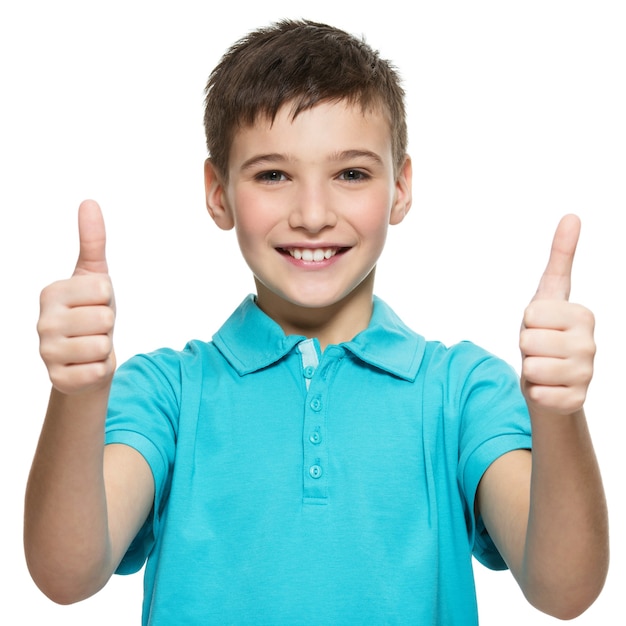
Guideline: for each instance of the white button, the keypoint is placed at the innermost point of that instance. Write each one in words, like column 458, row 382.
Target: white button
column 315, row 438
column 315, row 471
column 316, row 404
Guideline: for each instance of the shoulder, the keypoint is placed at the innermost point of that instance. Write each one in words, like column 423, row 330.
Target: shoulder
column 165, row 367
column 166, row 359
column 462, row 360
column 389, row 342
column 464, row 355
column 468, row 369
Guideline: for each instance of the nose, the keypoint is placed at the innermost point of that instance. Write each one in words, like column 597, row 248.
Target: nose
column 313, row 210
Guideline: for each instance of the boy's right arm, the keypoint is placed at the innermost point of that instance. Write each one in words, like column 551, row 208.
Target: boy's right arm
column 84, row 501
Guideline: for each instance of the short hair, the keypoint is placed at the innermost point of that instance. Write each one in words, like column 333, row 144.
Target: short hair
column 303, row 63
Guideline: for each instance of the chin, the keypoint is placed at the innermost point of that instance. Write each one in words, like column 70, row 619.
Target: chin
column 321, row 301
column 309, row 297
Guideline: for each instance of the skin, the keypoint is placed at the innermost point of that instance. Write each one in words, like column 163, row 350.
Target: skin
column 292, row 187
column 551, row 523
column 84, row 501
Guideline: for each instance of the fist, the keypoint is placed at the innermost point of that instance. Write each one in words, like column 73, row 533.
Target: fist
column 78, row 315
column 556, row 339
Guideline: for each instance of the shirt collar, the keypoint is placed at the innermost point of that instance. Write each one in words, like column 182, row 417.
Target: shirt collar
column 250, row 341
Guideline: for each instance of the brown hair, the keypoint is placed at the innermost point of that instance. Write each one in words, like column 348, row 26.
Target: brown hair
column 304, row 63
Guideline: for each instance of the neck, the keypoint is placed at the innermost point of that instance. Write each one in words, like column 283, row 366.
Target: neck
column 332, row 324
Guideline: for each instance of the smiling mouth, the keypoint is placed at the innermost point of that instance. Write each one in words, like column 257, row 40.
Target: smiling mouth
column 312, row 254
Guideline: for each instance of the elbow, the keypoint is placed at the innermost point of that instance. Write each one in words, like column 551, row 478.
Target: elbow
column 60, row 590
column 565, row 590
column 63, row 592
column 566, row 611
column 59, row 595
column 569, row 604
column 62, row 586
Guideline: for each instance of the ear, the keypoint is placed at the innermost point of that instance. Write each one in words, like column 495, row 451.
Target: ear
column 403, row 195
column 216, row 203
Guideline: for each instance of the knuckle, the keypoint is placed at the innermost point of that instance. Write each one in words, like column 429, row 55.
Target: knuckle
column 102, row 347
column 95, row 373
column 58, row 377
column 534, row 393
column 107, row 318
column 53, row 295
column 49, row 331
column 88, row 375
column 45, row 352
column 44, row 326
column 79, row 378
column 586, row 353
column 586, row 317
column 525, row 341
column 49, row 352
column 590, row 347
column 530, row 369
column 585, row 374
column 529, row 314
column 48, row 294
column 104, row 287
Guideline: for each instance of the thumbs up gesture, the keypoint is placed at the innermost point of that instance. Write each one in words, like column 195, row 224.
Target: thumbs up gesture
column 556, row 339
column 78, row 314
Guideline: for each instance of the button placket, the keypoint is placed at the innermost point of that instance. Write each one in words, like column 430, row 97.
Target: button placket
column 317, row 375
column 314, row 447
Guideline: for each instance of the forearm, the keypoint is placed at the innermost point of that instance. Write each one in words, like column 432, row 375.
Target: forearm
column 65, row 529
column 566, row 549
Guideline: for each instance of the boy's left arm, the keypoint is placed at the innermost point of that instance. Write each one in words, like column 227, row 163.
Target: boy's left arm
column 546, row 510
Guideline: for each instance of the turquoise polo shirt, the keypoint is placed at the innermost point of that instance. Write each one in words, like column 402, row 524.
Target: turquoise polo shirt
column 300, row 487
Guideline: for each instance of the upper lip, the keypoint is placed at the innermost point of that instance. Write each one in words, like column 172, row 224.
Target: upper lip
column 312, row 246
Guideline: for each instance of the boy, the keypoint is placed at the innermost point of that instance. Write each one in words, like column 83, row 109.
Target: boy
column 317, row 461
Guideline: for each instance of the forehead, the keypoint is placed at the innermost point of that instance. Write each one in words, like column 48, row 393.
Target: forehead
column 326, row 128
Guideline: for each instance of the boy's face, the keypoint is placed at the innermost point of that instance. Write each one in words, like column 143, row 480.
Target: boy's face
column 311, row 199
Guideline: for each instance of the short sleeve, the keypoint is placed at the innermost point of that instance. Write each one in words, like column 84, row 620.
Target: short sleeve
column 494, row 421
column 143, row 412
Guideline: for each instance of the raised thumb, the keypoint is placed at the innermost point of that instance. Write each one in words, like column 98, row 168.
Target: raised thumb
column 556, row 281
column 92, row 236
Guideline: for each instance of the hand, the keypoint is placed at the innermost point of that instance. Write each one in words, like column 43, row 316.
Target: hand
column 556, row 340
column 77, row 315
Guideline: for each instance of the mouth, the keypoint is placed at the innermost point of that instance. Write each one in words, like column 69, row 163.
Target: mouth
column 314, row 255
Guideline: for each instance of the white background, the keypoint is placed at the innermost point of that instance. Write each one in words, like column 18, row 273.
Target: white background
column 516, row 116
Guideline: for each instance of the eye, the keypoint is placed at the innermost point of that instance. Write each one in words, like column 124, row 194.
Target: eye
column 353, row 175
column 271, row 176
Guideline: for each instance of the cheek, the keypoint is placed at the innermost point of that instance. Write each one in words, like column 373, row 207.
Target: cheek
column 373, row 220
column 255, row 219
column 248, row 215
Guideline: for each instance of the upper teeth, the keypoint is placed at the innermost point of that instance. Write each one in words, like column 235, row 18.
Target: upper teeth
column 308, row 254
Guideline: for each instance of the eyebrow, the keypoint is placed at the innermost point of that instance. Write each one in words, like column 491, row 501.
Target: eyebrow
column 347, row 155
column 273, row 157
column 344, row 155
